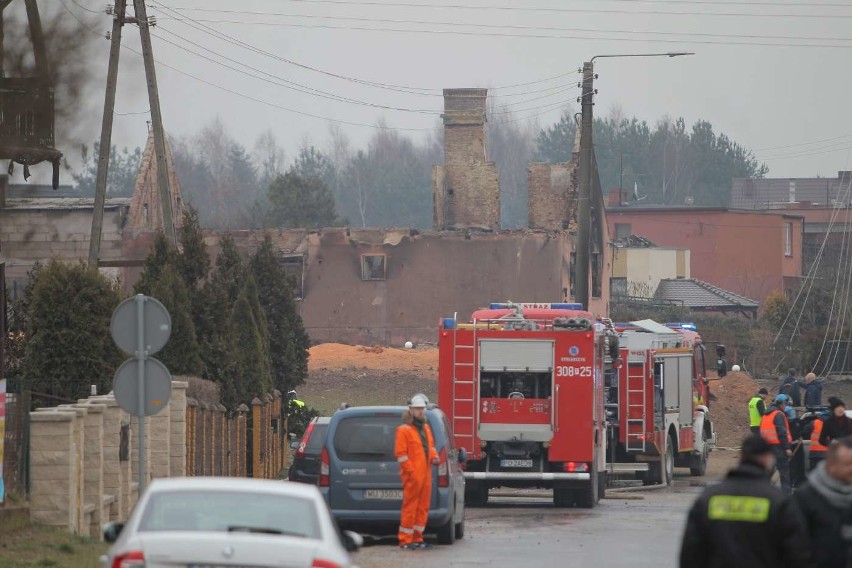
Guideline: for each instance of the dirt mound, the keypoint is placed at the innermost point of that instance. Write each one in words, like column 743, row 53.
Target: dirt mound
column 330, row 356
column 730, row 409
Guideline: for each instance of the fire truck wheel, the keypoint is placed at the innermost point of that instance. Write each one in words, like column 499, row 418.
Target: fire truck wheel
column 476, row 494
column 698, row 462
column 563, row 497
column 460, row 530
column 602, row 485
column 447, row 532
column 671, row 450
column 588, row 496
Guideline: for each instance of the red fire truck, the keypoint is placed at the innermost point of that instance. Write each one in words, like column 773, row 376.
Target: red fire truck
column 657, row 400
column 523, row 385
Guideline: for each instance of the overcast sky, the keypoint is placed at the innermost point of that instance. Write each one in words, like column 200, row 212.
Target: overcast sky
column 788, row 102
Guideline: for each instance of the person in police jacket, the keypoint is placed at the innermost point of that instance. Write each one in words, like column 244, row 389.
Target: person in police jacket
column 745, row 522
column 826, row 503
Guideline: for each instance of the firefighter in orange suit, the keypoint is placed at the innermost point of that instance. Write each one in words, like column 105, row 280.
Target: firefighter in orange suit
column 415, row 452
column 816, row 450
column 775, row 429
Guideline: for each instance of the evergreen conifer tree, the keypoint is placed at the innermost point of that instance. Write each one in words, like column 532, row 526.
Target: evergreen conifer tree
column 69, row 346
column 288, row 341
column 250, row 376
column 161, row 281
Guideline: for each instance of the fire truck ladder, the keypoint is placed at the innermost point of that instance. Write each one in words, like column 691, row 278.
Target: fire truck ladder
column 468, row 379
column 634, row 438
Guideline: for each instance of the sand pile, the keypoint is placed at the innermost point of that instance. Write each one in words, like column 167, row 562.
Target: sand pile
column 421, row 362
column 730, row 409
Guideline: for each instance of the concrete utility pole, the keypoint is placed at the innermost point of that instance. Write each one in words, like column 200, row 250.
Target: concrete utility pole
column 157, row 123
column 584, row 209
column 584, row 195
column 106, row 133
column 141, row 19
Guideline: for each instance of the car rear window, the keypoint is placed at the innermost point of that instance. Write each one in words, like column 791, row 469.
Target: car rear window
column 366, row 438
column 317, row 438
column 200, row 510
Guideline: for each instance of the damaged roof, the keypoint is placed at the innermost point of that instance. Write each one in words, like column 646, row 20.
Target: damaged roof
column 699, row 295
column 63, row 203
column 633, row 241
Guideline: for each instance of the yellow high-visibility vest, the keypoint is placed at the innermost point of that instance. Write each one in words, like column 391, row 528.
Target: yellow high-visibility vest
column 754, row 414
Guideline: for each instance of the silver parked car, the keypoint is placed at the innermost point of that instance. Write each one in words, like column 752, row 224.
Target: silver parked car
column 221, row 522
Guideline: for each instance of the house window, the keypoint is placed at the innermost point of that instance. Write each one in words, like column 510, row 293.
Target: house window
column 572, row 274
column 597, row 273
column 623, row 230
column 373, row 267
column 294, row 269
column 788, row 239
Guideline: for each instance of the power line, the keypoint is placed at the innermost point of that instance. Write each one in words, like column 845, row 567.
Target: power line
column 494, row 26
column 277, row 80
column 535, row 36
column 388, row 86
column 845, row 136
column 362, row 3
column 275, row 105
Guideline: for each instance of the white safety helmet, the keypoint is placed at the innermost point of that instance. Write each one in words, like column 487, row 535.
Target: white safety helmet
column 735, row 368
column 419, row 400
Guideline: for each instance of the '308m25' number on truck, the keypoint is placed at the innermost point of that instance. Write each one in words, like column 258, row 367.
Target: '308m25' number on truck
column 568, row 371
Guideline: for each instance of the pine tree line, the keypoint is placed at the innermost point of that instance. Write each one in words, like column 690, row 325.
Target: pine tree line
column 235, row 323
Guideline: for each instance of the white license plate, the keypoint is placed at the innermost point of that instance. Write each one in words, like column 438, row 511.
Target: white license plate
column 516, row 463
column 383, row 494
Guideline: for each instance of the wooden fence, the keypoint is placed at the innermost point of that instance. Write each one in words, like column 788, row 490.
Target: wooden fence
column 250, row 442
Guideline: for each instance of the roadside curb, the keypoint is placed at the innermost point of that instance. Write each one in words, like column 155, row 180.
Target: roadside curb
column 640, row 488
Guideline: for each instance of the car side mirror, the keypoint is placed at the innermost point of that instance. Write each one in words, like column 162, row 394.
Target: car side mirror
column 111, row 531
column 352, row 541
column 462, row 455
column 295, row 444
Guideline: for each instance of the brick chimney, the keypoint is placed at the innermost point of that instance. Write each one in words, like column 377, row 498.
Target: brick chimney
column 466, row 190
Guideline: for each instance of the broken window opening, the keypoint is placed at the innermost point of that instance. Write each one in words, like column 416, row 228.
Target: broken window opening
column 373, row 267
column 294, row 269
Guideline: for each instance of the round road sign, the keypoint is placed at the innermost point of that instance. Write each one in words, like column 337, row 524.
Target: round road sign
column 158, row 386
column 157, row 325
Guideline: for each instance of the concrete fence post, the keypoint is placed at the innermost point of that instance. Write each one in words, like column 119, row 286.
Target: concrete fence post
column 178, row 430
column 53, row 469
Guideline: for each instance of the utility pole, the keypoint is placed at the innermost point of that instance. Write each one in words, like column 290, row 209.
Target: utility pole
column 163, row 189
column 157, row 122
column 584, row 210
column 106, row 133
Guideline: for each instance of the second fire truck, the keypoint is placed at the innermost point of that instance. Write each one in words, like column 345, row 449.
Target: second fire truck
column 536, row 392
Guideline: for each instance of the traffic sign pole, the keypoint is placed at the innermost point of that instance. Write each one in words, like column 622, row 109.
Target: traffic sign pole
column 141, row 354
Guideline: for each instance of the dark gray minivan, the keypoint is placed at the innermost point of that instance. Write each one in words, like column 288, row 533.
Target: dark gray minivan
column 359, row 474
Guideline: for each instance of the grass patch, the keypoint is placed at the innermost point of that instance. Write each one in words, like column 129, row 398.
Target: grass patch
column 27, row 545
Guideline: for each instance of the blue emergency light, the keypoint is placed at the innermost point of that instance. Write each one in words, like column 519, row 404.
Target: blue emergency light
column 682, row 325
column 449, row 323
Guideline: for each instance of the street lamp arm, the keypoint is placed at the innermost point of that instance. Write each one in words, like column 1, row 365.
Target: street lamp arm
column 667, row 54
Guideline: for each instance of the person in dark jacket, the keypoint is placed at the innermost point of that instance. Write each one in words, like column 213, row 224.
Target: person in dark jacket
column 838, row 424
column 813, row 390
column 745, row 522
column 790, row 386
column 775, row 430
column 826, row 504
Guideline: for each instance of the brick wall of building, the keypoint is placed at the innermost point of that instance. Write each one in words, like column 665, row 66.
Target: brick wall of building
column 551, row 195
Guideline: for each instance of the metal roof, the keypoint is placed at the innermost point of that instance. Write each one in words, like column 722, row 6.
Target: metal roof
column 653, row 327
column 63, row 203
column 699, row 295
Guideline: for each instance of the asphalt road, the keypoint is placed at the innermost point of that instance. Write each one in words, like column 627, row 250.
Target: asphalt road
column 639, row 530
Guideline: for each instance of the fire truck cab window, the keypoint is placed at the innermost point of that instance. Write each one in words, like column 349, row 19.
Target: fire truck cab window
column 514, row 385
